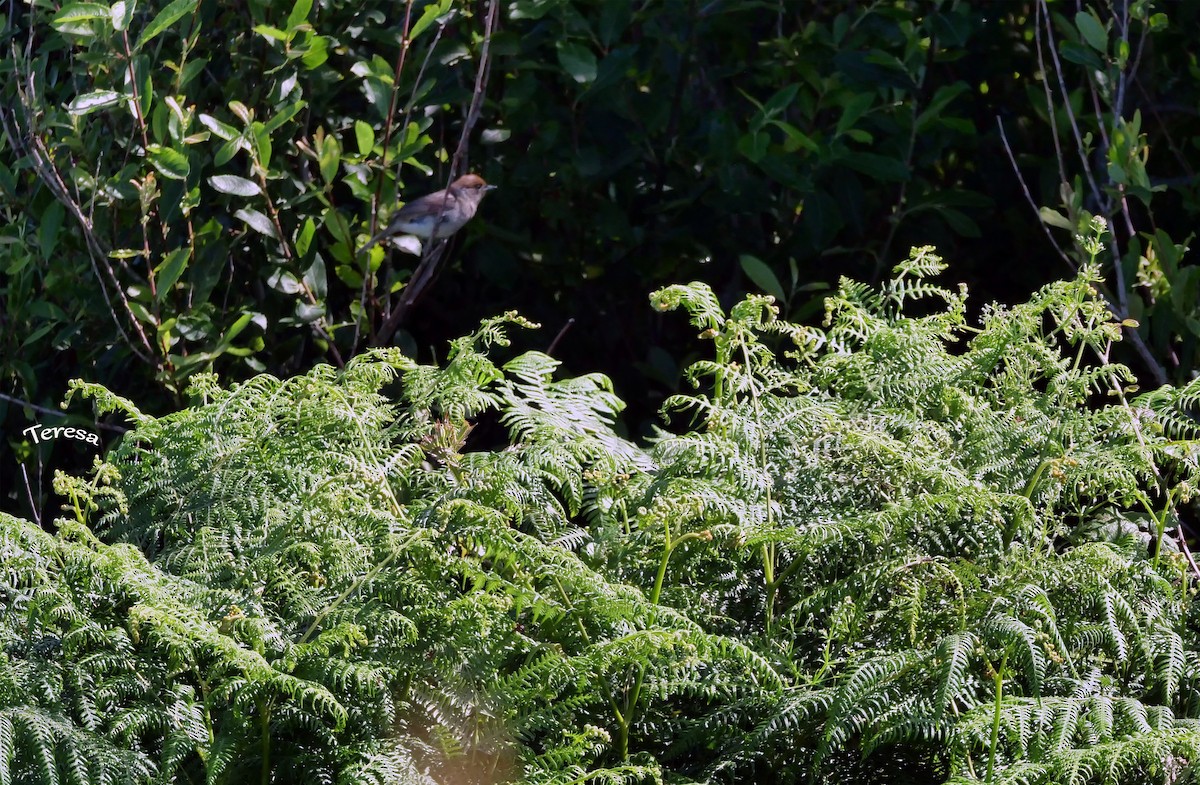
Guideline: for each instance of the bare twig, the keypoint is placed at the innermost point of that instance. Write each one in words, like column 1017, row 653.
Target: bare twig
column 33, row 508
column 1029, row 198
column 24, row 139
column 367, row 290
column 1066, row 96
column 1183, row 546
column 58, row 413
column 389, row 125
column 1135, row 339
column 1059, row 158
column 558, row 338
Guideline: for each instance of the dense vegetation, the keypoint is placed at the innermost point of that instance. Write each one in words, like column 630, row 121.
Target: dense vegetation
column 182, row 183
column 920, row 539
column 898, row 549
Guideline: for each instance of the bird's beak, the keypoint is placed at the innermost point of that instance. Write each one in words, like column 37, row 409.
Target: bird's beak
column 490, row 187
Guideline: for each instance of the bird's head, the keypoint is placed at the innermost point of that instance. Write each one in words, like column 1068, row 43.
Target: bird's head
column 471, row 184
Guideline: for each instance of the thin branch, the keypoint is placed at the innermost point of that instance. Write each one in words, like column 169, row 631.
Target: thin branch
column 1059, row 158
column 391, row 113
column 367, row 288
column 1029, row 198
column 435, row 252
column 24, row 139
column 1135, row 339
column 558, row 338
column 1062, row 86
column 58, row 413
column 33, row 508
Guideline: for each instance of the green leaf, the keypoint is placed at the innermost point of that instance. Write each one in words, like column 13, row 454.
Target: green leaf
column 236, row 328
column 1080, row 55
column 299, row 13
column 315, row 278
column 855, row 108
column 1092, row 31
column 48, row 229
column 430, row 15
column 194, row 68
column 232, row 184
column 941, row 98
column 257, row 221
column 267, row 31
column 317, row 53
column 170, row 163
column 307, row 312
column 578, row 61
column 284, row 115
column 94, row 102
column 227, row 151
column 881, row 167
column 331, row 155
column 754, row 145
column 169, row 271
column 762, row 276
column 219, row 129
column 262, row 143
column 171, row 14
column 365, row 135
column 305, row 237
column 77, row 17
column 779, row 102
column 795, row 139
column 960, row 222
column 1055, row 218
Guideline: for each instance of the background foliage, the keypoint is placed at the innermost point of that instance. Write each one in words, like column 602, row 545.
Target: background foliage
column 898, row 549
column 184, row 183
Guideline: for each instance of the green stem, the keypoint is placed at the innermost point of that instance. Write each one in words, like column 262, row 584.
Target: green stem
column 354, row 587
column 998, row 679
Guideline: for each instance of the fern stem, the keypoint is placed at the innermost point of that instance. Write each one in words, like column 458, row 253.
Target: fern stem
column 771, row 584
column 998, row 679
column 626, row 719
column 354, row 587
column 768, row 549
column 662, row 563
column 1036, row 478
column 612, row 700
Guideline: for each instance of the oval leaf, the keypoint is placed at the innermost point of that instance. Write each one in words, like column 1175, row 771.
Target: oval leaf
column 232, row 184
column 758, row 272
column 256, row 221
column 171, row 164
column 169, row 271
column 121, row 11
column 165, row 18
column 365, row 136
column 94, row 101
column 430, row 15
column 1092, row 31
column 74, row 13
column 578, row 61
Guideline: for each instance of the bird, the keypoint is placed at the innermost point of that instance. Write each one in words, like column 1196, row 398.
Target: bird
column 439, row 214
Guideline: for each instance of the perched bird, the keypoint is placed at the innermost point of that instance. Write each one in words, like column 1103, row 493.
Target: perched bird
column 439, row 214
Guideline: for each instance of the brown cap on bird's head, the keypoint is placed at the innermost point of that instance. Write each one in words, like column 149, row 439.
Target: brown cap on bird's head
column 471, row 182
